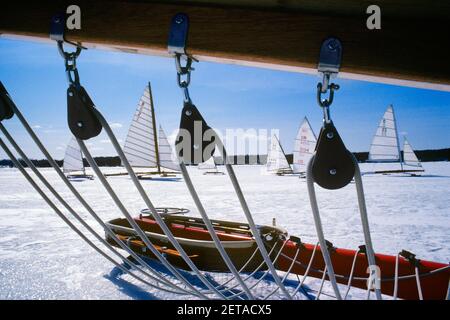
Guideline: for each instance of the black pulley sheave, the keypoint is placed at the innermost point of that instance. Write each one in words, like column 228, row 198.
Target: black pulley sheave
column 80, row 114
column 196, row 140
column 332, row 166
column 6, row 104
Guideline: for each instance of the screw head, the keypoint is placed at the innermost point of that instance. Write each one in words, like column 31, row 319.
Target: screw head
column 80, row 124
column 332, row 44
column 70, row 93
column 330, row 135
column 179, row 19
column 188, row 112
column 333, row 172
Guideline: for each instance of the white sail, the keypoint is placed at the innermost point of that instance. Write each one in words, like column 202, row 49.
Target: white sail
column 139, row 145
column 209, row 164
column 385, row 146
column 166, row 155
column 73, row 158
column 304, row 146
column 409, row 157
column 276, row 159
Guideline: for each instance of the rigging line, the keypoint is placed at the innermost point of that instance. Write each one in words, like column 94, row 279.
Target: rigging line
column 249, row 217
column 253, row 272
column 343, row 277
column 350, row 278
column 364, row 219
column 65, row 219
column 305, row 275
column 55, row 166
column 286, row 274
column 211, row 229
column 71, row 210
column 419, row 287
column 243, row 267
column 396, row 277
column 319, row 230
column 130, row 220
column 319, row 292
column 149, row 204
column 265, row 272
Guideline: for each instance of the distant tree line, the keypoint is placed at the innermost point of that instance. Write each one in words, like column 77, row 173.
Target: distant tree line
column 423, row 155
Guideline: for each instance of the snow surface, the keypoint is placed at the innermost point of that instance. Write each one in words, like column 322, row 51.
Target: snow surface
column 41, row 258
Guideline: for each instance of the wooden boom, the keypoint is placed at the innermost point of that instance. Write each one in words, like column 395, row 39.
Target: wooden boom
column 411, row 48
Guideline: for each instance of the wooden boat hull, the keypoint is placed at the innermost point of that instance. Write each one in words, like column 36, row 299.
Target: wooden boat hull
column 196, row 241
column 240, row 245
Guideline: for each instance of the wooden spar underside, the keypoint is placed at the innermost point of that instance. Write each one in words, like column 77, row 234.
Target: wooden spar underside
column 411, row 48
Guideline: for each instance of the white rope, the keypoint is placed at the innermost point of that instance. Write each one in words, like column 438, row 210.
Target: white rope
column 249, row 217
column 55, row 166
column 321, row 283
column 349, row 284
column 64, row 218
column 286, row 274
column 419, row 287
column 152, row 209
column 253, row 272
column 305, row 275
column 133, row 223
column 70, row 209
column 212, row 231
column 319, row 230
column 364, row 219
column 265, row 272
column 396, row 277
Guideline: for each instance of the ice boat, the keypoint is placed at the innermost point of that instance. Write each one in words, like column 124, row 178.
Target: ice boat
column 146, row 148
column 73, row 165
column 385, row 149
column 304, row 146
column 276, row 159
column 209, row 167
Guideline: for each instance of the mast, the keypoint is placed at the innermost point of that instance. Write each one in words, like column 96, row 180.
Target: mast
column 152, row 110
column 400, row 158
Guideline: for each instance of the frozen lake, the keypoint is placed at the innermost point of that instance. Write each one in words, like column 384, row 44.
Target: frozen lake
column 41, row 258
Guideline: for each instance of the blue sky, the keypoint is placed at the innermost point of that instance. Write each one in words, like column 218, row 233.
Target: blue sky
column 229, row 96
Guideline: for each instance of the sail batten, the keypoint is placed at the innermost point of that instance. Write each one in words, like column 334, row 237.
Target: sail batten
column 276, row 159
column 140, row 144
column 73, row 158
column 304, row 146
column 385, row 146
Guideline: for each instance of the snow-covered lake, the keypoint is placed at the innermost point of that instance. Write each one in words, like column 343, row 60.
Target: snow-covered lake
column 41, row 258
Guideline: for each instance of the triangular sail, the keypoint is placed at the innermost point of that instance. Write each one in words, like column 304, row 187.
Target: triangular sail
column 139, row 145
column 409, row 156
column 276, row 159
column 166, row 155
column 304, row 146
column 73, row 158
column 385, row 146
column 209, row 164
